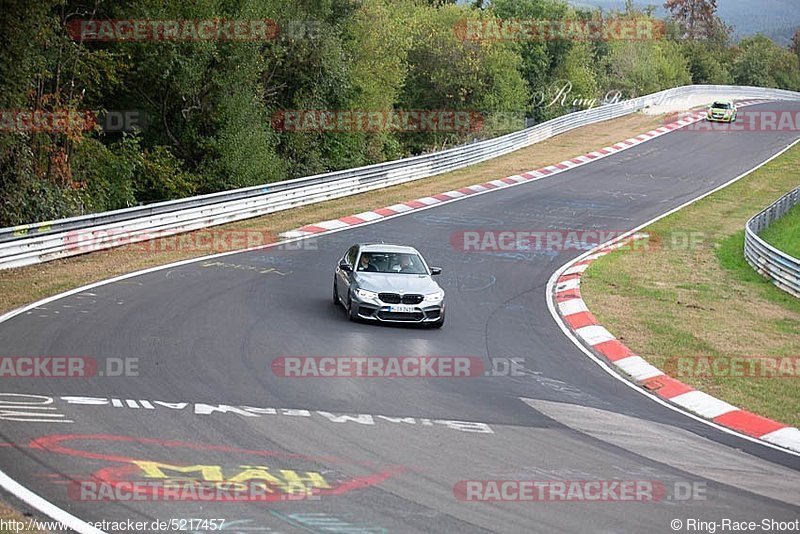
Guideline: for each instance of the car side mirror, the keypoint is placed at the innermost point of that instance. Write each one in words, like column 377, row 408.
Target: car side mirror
column 436, row 270
column 345, row 267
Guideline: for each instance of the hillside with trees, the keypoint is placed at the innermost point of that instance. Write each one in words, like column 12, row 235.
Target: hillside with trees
column 205, row 109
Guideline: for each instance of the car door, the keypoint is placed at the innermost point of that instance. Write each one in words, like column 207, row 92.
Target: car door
column 344, row 278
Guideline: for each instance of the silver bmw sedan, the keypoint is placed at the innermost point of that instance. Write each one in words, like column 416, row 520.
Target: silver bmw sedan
column 389, row 283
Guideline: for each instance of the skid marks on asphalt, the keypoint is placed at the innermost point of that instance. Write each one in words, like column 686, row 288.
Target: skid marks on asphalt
column 258, row 269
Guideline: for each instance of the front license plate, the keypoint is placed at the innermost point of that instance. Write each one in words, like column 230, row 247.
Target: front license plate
column 402, row 309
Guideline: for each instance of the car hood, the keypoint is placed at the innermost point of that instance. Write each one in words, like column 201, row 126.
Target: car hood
column 397, row 283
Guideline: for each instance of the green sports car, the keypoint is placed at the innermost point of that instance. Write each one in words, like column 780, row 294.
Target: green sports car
column 722, row 111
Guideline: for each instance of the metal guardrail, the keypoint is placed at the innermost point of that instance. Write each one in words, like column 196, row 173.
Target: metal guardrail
column 41, row 242
column 782, row 269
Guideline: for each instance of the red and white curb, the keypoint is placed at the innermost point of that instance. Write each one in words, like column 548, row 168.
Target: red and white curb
column 582, row 323
column 508, row 181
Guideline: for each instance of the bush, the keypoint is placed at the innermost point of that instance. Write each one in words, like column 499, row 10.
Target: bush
column 160, row 176
column 104, row 176
column 28, row 196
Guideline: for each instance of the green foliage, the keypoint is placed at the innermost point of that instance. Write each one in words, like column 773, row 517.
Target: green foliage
column 707, row 65
column 638, row 68
column 582, row 79
column 763, row 63
column 161, row 177
column 26, row 196
column 448, row 73
column 784, row 234
column 210, row 104
column 103, row 175
column 541, row 59
column 242, row 151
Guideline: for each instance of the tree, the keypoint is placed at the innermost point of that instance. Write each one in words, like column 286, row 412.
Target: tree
column 710, row 59
column 761, row 62
column 696, row 17
column 446, row 73
column 639, row 68
column 210, row 104
column 707, row 65
column 542, row 59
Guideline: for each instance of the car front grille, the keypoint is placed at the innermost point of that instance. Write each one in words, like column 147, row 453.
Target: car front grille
column 394, row 298
column 389, row 298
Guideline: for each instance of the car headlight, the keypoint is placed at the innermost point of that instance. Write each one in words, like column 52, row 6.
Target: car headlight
column 434, row 297
column 368, row 295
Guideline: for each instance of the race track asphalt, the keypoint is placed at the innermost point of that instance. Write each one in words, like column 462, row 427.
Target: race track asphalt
column 206, row 333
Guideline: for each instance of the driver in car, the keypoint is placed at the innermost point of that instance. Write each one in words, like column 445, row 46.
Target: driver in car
column 365, row 265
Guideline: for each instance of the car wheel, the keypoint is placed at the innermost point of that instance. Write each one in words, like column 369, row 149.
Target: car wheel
column 335, row 294
column 352, row 311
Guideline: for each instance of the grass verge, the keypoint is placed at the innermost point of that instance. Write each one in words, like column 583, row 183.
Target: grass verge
column 784, row 234
column 27, row 284
column 705, row 301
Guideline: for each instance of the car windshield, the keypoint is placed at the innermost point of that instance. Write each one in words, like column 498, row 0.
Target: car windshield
column 391, row 262
column 721, row 105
